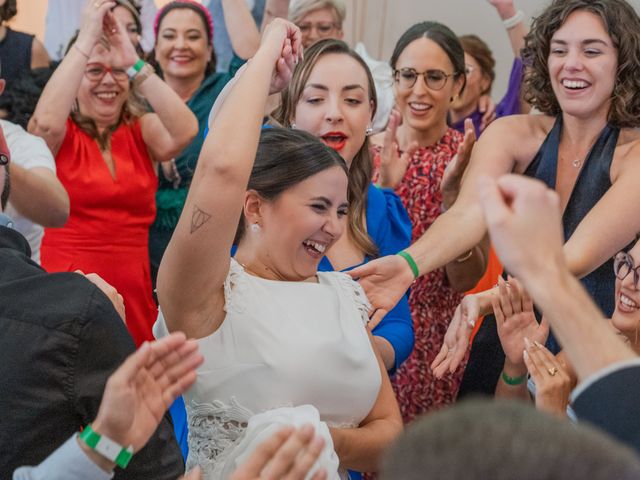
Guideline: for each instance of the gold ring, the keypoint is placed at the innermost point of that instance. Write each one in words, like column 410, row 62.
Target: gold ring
column 552, row 371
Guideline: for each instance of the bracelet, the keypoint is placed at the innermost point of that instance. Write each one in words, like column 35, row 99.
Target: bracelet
column 513, row 21
column 412, row 263
column 134, row 69
column 465, row 258
column 513, row 381
column 145, row 72
column 106, row 447
column 75, row 45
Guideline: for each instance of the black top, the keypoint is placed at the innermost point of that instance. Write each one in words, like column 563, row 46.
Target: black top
column 15, row 54
column 593, row 182
column 61, row 339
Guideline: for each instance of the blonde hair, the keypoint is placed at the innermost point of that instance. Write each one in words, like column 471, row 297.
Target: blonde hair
column 300, row 8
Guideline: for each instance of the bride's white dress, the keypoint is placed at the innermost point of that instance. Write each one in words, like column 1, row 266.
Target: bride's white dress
column 282, row 344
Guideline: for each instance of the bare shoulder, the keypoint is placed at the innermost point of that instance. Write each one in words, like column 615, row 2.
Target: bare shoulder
column 626, row 158
column 518, row 136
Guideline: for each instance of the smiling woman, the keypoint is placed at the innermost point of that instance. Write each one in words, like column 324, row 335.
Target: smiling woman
column 105, row 150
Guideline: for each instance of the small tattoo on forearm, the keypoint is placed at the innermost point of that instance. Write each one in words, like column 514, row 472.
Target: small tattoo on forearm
column 199, row 218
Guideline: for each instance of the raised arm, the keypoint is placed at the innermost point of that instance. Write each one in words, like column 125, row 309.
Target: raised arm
column 274, row 9
column 453, row 233
column 59, row 94
column 242, row 28
column 196, row 263
column 517, row 29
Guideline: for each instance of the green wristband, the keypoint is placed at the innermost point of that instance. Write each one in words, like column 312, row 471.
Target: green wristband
column 513, row 381
column 106, row 447
column 412, row 263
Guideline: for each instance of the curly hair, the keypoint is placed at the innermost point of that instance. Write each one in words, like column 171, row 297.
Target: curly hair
column 623, row 25
column 361, row 170
column 8, row 10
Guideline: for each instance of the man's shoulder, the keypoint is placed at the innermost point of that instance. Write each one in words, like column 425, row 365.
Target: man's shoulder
column 63, row 301
column 27, row 150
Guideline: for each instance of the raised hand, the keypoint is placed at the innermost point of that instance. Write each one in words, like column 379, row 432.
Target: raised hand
column 553, row 382
column 92, row 25
column 456, row 340
column 109, row 290
column 393, row 164
column 515, row 319
column 452, row 176
column 487, row 107
column 506, row 8
column 385, row 280
column 288, row 454
column 141, row 390
column 523, row 212
column 118, row 41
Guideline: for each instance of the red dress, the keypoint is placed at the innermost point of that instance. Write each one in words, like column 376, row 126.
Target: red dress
column 108, row 228
column 432, row 300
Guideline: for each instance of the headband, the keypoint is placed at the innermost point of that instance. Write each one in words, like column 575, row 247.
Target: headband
column 176, row 4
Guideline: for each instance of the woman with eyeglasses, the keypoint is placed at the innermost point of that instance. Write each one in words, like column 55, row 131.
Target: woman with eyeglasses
column 552, row 377
column 428, row 66
column 585, row 146
column 106, row 147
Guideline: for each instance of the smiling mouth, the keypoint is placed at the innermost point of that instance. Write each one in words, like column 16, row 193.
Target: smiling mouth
column 575, row 84
column 315, row 249
column 419, row 107
column 106, row 96
column 626, row 304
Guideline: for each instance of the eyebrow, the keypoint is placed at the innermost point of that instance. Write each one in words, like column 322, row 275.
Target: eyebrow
column 170, row 29
column 588, row 41
column 319, row 86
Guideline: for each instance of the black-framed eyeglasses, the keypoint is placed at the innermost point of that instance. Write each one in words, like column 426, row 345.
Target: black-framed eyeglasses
column 623, row 265
column 96, row 71
column 434, row 79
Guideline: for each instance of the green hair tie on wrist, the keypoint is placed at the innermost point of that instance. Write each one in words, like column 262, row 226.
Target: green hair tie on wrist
column 412, row 263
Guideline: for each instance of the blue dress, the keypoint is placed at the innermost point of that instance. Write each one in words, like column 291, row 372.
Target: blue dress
column 390, row 228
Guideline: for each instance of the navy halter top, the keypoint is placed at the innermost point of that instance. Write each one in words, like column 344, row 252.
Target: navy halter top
column 592, row 183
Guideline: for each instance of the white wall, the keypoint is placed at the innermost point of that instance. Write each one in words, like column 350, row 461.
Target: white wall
column 379, row 23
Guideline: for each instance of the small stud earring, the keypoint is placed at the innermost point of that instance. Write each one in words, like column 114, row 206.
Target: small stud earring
column 293, row 126
column 368, row 131
column 255, row 228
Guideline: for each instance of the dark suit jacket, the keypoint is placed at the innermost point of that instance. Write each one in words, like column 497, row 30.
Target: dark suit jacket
column 60, row 340
column 610, row 400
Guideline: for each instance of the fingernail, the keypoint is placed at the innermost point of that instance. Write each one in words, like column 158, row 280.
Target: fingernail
column 538, row 344
column 525, row 355
column 527, row 342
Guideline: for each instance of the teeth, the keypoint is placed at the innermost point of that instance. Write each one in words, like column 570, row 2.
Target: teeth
column 106, row 96
column 627, row 301
column 574, row 83
column 419, row 106
column 318, row 246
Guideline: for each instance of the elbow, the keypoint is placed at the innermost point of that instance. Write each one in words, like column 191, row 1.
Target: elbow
column 60, row 212
column 184, row 137
column 46, row 128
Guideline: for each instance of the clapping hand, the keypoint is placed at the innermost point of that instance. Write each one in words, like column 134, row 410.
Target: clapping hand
column 393, row 164
column 456, row 340
column 93, row 24
column 453, row 173
column 286, row 39
column 141, row 390
column 553, row 382
column 288, row 454
column 487, row 107
column 118, row 41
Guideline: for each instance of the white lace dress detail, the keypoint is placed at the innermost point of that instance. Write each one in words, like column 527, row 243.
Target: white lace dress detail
column 281, row 344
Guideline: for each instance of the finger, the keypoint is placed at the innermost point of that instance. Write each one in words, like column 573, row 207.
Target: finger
column 440, row 357
column 514, row 295
column 527, row 303
column 497, row 310
column 389, row 140
column 462, row 345
column 306, row 459
column 134, row 363
column 493, row 202
column 263, row 454
column 531, row 363
column 543, row 330
column 505, row 300
column 363, row 270
column 283, row 460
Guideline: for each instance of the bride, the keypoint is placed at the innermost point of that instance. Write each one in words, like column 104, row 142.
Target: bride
column 274, row 333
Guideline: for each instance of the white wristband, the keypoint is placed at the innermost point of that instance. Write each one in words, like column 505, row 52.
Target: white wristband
column 513, row 21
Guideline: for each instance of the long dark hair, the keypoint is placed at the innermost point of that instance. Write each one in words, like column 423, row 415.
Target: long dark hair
column 208, row 27
column 623, row 25
column 441, row 35
column 361, row 170
column 285, row 158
